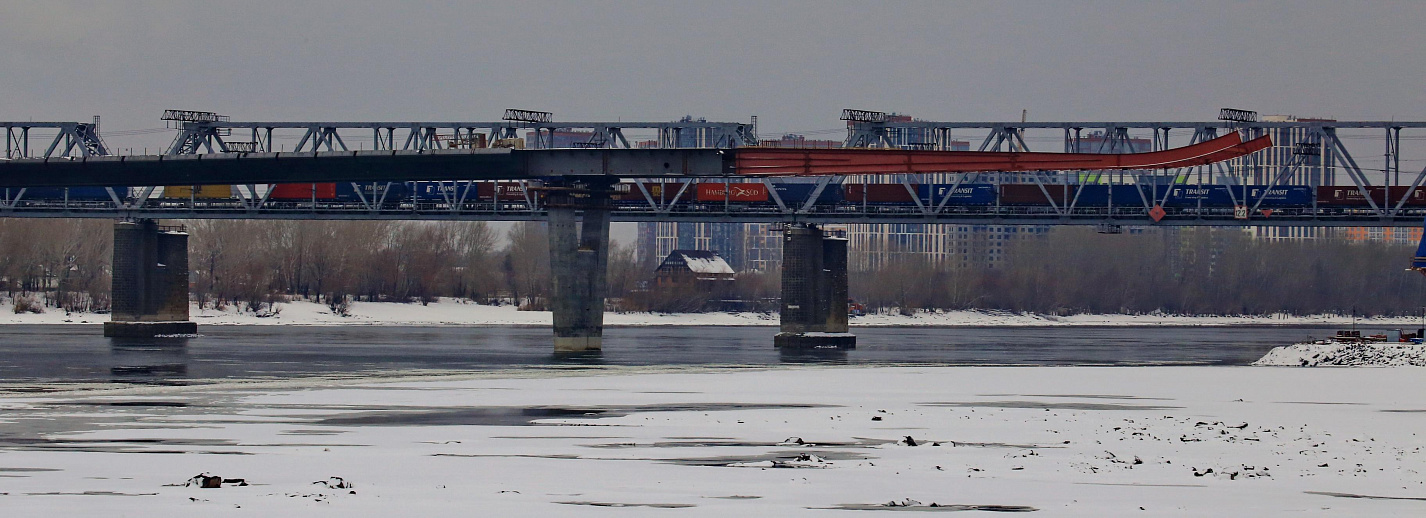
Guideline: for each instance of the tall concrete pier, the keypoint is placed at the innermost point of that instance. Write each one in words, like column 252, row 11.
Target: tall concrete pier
column 579, row 258
column 150, row 281
column 814, row 290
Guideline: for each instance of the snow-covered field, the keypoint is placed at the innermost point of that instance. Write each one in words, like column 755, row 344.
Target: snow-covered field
column 1064, row 441
column 458, row 312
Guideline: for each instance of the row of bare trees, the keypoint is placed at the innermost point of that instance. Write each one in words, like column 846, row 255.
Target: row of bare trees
column 252, row 263
column 1070, row 270
column 1188, row 271
column 63, row 261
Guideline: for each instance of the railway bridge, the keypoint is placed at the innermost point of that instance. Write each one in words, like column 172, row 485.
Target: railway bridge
column 580, row 176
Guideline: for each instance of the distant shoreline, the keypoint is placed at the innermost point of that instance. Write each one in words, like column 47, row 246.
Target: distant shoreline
column 459, row 313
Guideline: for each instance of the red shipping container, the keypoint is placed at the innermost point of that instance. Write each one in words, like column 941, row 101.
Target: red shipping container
column 1351, row 196
column 509, row 191
column 740, row 192
column 1417, row 198
column 303, row 191
column 879, row 193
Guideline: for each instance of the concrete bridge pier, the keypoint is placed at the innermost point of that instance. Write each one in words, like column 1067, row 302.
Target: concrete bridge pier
column 814, row 290
column 150, row 281
column 579, row 258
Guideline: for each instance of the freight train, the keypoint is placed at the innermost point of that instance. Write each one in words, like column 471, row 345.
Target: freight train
column 768, row 197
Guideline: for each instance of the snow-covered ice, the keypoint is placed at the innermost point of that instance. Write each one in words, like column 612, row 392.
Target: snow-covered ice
column 1065, row 441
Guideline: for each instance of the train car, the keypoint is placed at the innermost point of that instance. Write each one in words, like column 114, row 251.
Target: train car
column 963, row 194
column 1186, row 196
column 1280, row 196
column 1351, row 196
column 70, row 193
column 503, row 191
column 62, row 193
column 442, row 192
column 385, row 193
column 796, row 194
column 880, row 193
column 197, row 192
column 1087, row 196
column 302, row 192
column 731, row 192
column 1036, row 194
column 628, row 194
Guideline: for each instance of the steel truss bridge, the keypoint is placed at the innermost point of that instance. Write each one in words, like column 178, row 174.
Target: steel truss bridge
column 211, row 149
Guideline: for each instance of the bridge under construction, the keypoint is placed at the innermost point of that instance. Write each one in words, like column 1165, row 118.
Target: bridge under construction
column 579, row 176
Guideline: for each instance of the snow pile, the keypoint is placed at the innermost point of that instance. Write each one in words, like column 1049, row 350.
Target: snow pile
column 1353, row 354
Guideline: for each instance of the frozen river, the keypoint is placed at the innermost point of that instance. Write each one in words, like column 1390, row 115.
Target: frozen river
column 73, row 353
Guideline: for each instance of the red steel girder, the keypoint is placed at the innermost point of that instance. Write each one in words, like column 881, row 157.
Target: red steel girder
column 818, row 162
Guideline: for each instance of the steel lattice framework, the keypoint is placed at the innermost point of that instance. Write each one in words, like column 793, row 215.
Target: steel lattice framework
column 60, row 139
column 1305, row 153
column 222, row 136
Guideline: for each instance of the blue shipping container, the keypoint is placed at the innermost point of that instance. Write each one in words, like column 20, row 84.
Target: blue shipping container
column 440, row 191
column 965, row 194
column 75, row 193
column 797, row 193
column 1193, row 195
column 1278, row 196
column 395, row 192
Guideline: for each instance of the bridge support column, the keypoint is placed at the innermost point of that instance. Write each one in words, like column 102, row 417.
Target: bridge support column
column 150, row 281
column 814, row 290
column 579, row 258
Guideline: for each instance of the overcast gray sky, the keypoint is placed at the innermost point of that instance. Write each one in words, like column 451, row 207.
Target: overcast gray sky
column 794, row 64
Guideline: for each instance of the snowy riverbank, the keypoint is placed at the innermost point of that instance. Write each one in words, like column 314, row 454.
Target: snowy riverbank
column 1345, row 354
column 1072, row 441
column 463, row 313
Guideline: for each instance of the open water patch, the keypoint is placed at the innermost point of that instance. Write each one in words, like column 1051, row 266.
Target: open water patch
column 139, row 403
column 518, row 416
column 932, row 507
column 1035, row 405
column 89, row 493
column 1081, row 396
column 1368, row 497
column 623, row 504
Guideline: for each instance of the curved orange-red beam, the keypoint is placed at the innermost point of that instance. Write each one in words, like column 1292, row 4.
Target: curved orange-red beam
column 815, row 162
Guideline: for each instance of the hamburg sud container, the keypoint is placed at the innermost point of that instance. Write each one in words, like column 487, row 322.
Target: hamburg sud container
column 737, row 192
column 1351, row 196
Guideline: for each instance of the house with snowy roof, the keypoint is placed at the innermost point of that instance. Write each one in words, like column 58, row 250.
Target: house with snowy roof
column 683, row 267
